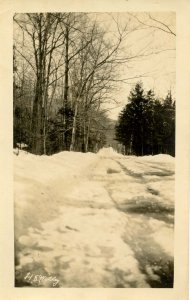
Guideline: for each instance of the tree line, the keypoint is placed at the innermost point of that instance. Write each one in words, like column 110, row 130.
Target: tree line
column 146, row 125
column 65, row 65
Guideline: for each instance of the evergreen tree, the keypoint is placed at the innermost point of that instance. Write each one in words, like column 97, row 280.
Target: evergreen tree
column 146, row 125
column 169, row 125
column 133, row 129
column 158, row 128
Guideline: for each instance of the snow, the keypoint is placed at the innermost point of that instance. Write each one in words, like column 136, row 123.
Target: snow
column 163, row 158
column 164, row 238
column 108, row 152
column 59, row 165
column 94, row 220
column 21, row 145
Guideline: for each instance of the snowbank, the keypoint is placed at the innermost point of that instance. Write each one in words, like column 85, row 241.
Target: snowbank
column 44, row 168
column 164, row 158
column 41, row 183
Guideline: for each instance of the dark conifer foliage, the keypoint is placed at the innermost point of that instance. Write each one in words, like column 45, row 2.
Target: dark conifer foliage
column 146, row 125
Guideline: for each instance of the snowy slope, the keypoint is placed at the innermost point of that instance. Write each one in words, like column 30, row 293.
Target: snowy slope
column 94, row 220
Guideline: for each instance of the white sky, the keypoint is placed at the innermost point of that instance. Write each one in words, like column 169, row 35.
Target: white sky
column 158, row 68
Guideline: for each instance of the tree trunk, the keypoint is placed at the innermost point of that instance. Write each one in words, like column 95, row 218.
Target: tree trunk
column 73, row 137
column 37, row 120
column 37, row 115
column 45, row 121
column 87, row 136
column 84, row 136
column 66, row 87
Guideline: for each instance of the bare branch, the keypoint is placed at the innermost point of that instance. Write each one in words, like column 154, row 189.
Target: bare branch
column 165, row 27
column 163, row 24
column 26, row 60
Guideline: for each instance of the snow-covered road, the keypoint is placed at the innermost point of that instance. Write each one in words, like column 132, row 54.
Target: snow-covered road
column 94, row 220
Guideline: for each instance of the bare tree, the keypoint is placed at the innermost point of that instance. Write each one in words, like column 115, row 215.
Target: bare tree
column 42, row 30
column 93, row 74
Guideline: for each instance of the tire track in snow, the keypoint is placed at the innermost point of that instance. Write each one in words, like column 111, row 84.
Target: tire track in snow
column 94, row 241
column 154, row 262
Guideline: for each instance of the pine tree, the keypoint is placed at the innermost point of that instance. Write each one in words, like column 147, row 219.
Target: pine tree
column 133, row 129
column 146, row 125
column 169, row 124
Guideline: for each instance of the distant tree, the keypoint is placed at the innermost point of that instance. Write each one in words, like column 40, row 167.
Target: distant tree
column 133, row 128
column 158, row 129
column 146, row 125
column 169, row 124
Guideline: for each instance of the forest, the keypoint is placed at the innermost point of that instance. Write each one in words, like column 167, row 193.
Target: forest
column 66, row 69
column 63, row 69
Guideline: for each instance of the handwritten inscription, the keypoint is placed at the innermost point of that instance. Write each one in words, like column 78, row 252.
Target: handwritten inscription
column 41, row 279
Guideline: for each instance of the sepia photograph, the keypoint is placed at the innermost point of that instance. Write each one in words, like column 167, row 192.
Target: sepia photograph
column 94, row 97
